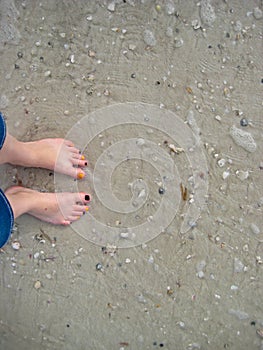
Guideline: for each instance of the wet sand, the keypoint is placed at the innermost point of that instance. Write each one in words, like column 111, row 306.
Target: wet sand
column 61, row 61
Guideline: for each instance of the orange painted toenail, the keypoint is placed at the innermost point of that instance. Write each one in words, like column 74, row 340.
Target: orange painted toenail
column 80, row 175
column 82, row 157
column 87, row 208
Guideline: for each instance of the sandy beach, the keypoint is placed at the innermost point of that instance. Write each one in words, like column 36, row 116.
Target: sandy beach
column 164, row 99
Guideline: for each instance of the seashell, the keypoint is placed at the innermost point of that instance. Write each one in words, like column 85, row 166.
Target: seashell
column 196, row 24
column 91, row 53
column 37, row 285
column 16, row 245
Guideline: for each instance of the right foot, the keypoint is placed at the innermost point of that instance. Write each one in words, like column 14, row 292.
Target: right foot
column 55, row 208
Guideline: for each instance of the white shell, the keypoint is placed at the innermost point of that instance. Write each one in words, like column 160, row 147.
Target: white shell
column 16, row 245
column 37, row 285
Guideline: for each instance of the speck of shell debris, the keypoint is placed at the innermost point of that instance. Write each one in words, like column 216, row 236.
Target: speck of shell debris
column 149, row 38
column 161, row 190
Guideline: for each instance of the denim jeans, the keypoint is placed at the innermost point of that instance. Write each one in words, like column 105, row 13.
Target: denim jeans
column 6, row 212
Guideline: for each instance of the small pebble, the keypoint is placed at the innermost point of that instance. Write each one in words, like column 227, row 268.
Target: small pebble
column 19, row 54
column 238, row 265
column 244, row 122
column 47, row 73
column 124, row 234
column 243, row 139
column 225, row 174
column 132, row 47
column 196, row 24
column 245, row 248
column 241, row 315
column 16, row 245
column 151, row 259
column 182, row 324
column 221, row 162
column 72, row 58
column 242, row 175
column 257, row 13
column 111, row 6
column 133, row 75
column 36, row 255
column 200, row 274
column 255, row 229
column 149, row 38
column 233, row 287
column 91, row 53
column 99, row 267
column 237, row 26
column 170, row 8
column 178, row 42
column 161, row 190
column 37, row 285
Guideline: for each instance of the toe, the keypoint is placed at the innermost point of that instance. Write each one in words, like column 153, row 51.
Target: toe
column 75, row 153
column 66, row 222
column 79, row 162
column 78, row 209
column 73, row 218
column 80, row 175
column 68, row 143
column 84, row 197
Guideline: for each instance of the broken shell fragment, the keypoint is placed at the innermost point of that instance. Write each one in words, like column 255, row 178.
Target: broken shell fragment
column 37, row 285
column 174, row 149
column 91, row 53
column 16, row 245
column 196, row 24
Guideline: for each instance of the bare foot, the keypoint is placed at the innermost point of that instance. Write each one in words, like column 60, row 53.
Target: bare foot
column 56, row 208
column 54, row 154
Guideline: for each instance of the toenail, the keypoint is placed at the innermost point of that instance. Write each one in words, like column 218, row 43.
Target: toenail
column 80, row 175
column 87, row 197
column 82, row 157
column 87, row 209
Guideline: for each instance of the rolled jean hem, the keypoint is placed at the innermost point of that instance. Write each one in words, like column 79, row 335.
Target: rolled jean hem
column 6, row 212
column 6, row 219
column 2, row 130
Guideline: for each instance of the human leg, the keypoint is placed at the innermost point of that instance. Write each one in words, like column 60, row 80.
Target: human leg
column 56, row 208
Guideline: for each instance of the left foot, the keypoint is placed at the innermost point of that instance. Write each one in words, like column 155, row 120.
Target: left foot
column 55, row 154
column 55, row 208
